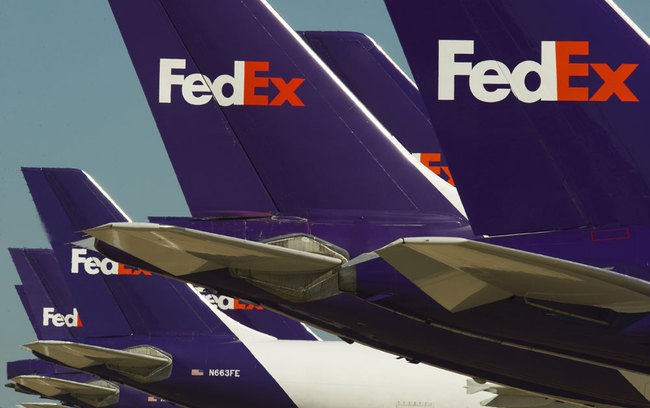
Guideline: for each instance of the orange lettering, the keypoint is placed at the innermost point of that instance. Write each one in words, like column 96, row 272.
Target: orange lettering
column 122, row 270
column 566, row 70
column 251, row 82
column 614, row 82
column 428, row 158
column 287, row 91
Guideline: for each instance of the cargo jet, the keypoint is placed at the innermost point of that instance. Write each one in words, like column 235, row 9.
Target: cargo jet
column 310, row 159
column 163, row 349
column 68, row 198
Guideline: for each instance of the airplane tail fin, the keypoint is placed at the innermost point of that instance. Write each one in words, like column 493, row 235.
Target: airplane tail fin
column 311, row 144
column 33, row 317
column 67, row 201
column 32, row 265
column 384, row 89
column 540, row 106
column 111, row 299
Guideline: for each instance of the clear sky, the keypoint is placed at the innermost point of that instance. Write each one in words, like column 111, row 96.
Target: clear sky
column 69, row 97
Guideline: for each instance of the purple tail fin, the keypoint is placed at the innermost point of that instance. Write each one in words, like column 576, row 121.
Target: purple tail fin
column 123, row 299
column 383, row 88
column 32, row 313
column 40, row 304
column 540, row 106
column 378, row 83
column 213, row 170
column 310, row 141
column 113, row 299
column 68, row 201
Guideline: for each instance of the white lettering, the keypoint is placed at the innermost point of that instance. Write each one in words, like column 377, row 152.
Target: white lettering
column 58, row 319
column 236, row 81
column 216, row 372
column 167, row 79
column 77, row 258
column 198, row 89
column 448, row 68
column 225, row 303
column 196, row 83
column 47, row 315
column 492, row 72
column 108, row 267
column 481, row 76
column 90, row 265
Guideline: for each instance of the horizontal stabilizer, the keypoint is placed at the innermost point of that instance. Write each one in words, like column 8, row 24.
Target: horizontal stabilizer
column 41, row 405
column 514, row 401
column 462, row 274
column 140, row 363
column 96, row 393
column 508, row 397
column 181, row 251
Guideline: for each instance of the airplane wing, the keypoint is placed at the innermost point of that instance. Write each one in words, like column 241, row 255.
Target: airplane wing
column 508, row 397
column 97, row 394
column 462, row 274
column 141, row 363
column 182, row 251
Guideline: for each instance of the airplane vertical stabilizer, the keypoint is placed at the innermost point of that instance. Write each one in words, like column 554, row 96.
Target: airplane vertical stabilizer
column 540, row 106
column 68, row 201
column 311, row 142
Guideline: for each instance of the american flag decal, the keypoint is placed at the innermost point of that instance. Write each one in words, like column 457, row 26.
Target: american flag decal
column 197, row 372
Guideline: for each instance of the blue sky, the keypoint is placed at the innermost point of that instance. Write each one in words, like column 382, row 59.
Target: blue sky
column 70, row 98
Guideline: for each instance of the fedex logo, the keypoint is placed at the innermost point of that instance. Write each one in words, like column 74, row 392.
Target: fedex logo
column 198, row 89
column 228, row 303
column 60, row 320
column 225, row 302
column 93, row 265
column 433, row 162
column 554, row 70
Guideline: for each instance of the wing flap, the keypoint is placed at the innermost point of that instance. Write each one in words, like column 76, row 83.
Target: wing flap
column 182, row 251
column 141, row 363
column 461, row 274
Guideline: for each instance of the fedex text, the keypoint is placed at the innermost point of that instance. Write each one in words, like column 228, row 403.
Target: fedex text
column 94, row 265
column 554, row 70
column 240, row 88
column 59, row 319
column 228, row 303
